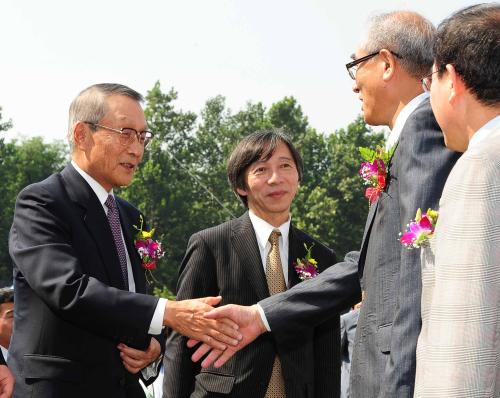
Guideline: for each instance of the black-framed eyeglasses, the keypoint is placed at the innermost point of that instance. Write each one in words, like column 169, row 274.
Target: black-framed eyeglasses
column 427, row 80
column 127, row 134
column 352, row 67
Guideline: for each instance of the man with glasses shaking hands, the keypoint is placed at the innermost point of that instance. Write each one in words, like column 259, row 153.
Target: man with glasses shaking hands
column 388, row 69
column 84, row 325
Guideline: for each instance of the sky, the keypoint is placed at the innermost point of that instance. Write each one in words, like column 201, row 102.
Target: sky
column 245, row 50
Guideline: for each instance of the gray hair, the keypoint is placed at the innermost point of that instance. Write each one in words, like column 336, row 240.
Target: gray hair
column 407, row 34
column 90, row 105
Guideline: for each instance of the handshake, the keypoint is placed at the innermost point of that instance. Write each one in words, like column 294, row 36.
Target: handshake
column 221, row 331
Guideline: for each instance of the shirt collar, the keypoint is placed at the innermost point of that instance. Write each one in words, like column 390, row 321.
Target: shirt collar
column 484, row 132
column 98, row 189
column 263, row 230
column 403, row 117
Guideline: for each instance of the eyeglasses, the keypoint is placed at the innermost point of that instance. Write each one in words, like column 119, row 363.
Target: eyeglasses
column 352, row 67
column 427, row 80
column 127, row 134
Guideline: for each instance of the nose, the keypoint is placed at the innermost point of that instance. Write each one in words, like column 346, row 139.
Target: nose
column 275, row 177
column 135, row 148
column 355, row 87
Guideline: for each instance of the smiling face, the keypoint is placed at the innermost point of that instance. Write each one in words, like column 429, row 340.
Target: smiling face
column 100, row 153
column 271, row 186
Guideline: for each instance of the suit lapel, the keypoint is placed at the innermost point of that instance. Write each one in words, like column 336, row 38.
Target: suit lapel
column 135, row 260
column 245, row 244
column 295, row 246
column 96, row 222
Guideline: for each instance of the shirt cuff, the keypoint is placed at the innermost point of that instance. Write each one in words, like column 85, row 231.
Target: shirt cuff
column 152, row 369
column 157, row 322
column 263, row 317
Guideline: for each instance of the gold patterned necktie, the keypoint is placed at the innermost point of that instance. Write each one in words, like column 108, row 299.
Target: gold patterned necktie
column 276, row 284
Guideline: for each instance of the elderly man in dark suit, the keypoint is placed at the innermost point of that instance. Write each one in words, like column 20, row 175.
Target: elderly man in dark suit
column 388, row 68
column 246, row 260
column 84, row 325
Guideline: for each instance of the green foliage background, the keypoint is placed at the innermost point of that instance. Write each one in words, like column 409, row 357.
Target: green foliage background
column 188, row 158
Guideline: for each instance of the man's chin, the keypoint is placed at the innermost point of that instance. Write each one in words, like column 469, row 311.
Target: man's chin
column 123, row 182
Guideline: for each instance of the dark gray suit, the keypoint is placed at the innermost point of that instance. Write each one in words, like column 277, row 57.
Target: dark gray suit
column 225, row 260
column 384, row 357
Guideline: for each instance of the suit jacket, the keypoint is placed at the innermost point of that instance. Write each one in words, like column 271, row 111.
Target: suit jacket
column 70, row 307
column 459, row 346
column 225, row 260
column 384, row 359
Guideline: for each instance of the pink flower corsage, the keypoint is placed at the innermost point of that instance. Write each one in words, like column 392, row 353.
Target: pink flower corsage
column 150, row 251
column 373, row 170
column 307, row 267
column 420, row 230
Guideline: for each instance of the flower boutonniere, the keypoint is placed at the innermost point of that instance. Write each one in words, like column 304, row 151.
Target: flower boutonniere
column 420, row 230
column 373, row 170
column 150, row 251
column 307, row 267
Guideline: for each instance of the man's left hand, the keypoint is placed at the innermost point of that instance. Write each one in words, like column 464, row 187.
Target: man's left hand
column 135, row 360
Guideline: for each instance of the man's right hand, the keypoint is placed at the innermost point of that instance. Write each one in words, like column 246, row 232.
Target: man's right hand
column 251, row 327
column 187, row 318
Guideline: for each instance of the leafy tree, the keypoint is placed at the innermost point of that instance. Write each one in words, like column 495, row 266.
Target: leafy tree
column 182, row 185
column 22, row 163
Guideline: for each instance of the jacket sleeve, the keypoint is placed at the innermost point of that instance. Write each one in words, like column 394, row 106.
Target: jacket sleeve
column 314, row 301
column 197, row 279
column 327, row 346
column 41, row 248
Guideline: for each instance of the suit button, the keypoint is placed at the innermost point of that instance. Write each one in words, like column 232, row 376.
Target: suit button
column 122, row 381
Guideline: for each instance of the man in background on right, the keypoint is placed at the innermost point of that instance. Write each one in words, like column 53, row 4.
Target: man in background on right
column 458, row 352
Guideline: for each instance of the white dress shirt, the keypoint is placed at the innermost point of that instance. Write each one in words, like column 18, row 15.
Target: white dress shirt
column 402, row 118
column 262, row 231
column 157, row 321
column 484, row 132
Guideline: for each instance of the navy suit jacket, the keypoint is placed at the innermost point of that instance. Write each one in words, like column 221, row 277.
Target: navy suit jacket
column 70, row 307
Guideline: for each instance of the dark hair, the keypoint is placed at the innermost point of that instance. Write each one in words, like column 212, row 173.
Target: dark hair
column 6, row 295
column 257, row 146
column 470, row 41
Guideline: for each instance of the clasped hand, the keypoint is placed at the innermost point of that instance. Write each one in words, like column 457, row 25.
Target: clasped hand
column 250, row 326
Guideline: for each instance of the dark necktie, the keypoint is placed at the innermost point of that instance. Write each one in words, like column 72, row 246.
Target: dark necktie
column 114, row 223
column 276, row 284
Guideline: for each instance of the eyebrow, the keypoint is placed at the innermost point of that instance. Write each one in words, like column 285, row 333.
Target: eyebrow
column 353, row 57
column 280, row 158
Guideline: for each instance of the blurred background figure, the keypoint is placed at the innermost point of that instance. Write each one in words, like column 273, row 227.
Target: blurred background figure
column 6, row 318
column 348, row 324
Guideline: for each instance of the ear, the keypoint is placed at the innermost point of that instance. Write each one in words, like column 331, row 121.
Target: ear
column 455, row 84
column 80, row 134
column 389, row 61
column 241, row 192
